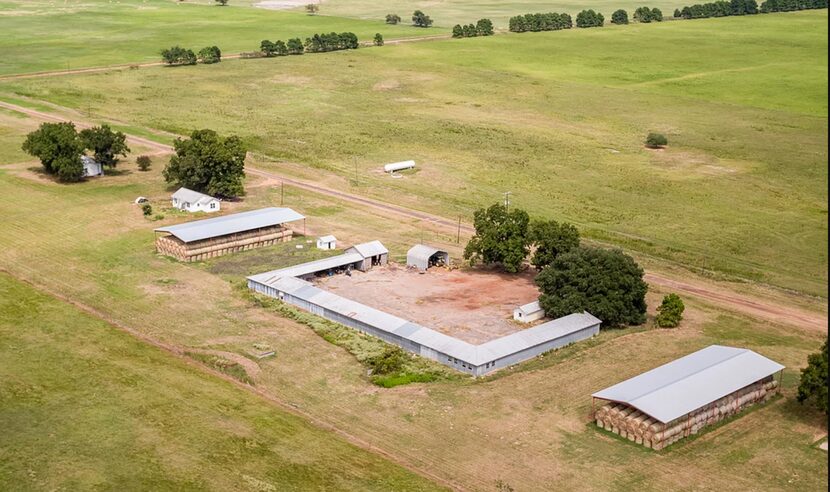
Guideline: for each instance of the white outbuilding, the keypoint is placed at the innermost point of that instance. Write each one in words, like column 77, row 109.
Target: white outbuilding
column 529, row 312
column 91, row 167
column 327, row 242
column 193, row 201
column 422, row 257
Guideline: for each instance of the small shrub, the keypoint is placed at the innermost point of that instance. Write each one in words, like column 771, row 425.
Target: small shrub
column 312, row 8
column 670, row 312
column 393, row 19
column 158, row 217
column 656, row 140
column 378, row 39
column 143, row 162
column 390, row 361
column 147, row 209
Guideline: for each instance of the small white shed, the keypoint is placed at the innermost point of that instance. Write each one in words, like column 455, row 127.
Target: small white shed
column 91, row 166
column 193, row 201
column 327, row 242
column 529, row 312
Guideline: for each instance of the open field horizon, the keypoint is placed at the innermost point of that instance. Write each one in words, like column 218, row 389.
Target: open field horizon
column 102, row 338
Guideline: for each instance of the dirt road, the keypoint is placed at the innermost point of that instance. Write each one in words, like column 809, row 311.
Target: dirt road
column 720, row 296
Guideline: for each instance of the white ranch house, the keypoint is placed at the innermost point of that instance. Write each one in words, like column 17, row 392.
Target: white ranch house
column 193, row 201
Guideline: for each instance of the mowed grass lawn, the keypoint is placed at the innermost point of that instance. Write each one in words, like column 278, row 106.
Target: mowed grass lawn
column 556, row 118
column 85, row 406
column 47, row 35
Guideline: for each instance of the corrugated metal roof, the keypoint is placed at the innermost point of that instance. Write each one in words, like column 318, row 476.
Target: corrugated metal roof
column 530, row 308
column 231, row 224
column 422, row 252
column 308, row 268
column 328, row 239
column 459, row 349
column 191, row 196
column 372, row 248
column 691, row 382
column 521, row 340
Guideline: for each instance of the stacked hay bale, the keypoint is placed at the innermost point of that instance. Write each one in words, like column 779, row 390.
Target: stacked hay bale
column 209, row 248
column 636, row 426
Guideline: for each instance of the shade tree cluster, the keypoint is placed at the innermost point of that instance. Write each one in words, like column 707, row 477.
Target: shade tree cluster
column 181, row 56
column 484, row 27
column 59, row 146
column 294, row 46
column 318, row 43
column 551, row 21
column 589, row 18
column 208, row 163
column 572, row 278
column 646, row 15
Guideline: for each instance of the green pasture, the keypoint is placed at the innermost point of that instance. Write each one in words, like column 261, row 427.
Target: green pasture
column 40, row 35
column 85, row 406
column 448, row 13
column 556, row 118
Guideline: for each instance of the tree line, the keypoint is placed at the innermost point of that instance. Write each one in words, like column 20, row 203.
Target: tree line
column 59, row 146
column 724, row 8
column 484, row 27
column 551, row 21
column 318, row 43
column 182, row 56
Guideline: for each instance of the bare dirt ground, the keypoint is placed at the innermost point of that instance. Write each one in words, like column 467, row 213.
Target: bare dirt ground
column 473, row 305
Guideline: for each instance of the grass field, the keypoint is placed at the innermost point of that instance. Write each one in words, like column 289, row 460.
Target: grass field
column 526, row 426
column 556, row 118
column 84, row 406
column 450, row 12
column 100, row 32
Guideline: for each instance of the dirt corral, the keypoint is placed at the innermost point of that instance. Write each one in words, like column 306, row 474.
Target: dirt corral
column 472, row 305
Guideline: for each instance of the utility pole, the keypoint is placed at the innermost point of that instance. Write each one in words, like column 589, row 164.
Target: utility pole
column 282, row 193
column 458, row 234
column 507, row 200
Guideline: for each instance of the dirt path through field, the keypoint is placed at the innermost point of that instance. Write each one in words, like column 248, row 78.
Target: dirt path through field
column 742, row 303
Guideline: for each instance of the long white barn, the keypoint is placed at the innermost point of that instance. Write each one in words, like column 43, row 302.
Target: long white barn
column 473, row 359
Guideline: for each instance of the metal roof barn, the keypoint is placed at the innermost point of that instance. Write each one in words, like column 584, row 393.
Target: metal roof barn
column 370, row 249
column 231, row 224
column 421, row 256
column 691, row 382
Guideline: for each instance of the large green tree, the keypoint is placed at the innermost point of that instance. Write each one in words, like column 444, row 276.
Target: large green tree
column 420, row 19
column 208, row 163
column 105, row 143
column 59, row 149
column 607, row 283
column 551, row 239
column 501, row 237
column 813, row 385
